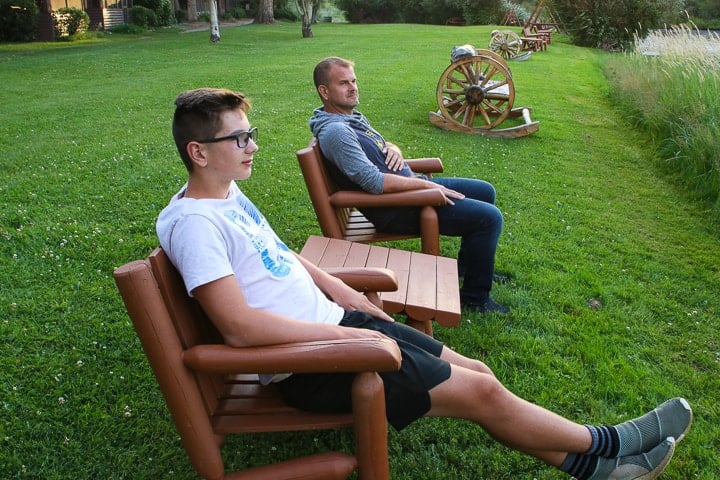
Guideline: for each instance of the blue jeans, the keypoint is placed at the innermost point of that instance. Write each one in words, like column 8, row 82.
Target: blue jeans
column 475, row 219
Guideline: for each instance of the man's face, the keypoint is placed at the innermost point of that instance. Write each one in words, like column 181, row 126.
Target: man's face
column 341, row 94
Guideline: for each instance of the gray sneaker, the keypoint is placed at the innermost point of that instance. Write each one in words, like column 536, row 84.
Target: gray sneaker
column 646, row 466
column 671, row 419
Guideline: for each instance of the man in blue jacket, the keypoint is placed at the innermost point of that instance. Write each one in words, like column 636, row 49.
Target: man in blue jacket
column 361, row 159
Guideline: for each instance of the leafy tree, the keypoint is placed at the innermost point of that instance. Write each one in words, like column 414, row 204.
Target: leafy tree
column 612, row 24
column 18, row 20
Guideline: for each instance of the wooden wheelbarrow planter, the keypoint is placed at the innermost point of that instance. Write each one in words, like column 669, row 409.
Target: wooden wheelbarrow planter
column 475, row 94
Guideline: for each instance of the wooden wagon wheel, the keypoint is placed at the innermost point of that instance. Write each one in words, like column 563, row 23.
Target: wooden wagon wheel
column 476, row 92
column 506, row 43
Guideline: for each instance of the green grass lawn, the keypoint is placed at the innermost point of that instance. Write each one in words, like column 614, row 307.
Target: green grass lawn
column 88, row 162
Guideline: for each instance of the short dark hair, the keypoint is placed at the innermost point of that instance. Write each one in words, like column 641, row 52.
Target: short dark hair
column 197, row 115
column 320, row 74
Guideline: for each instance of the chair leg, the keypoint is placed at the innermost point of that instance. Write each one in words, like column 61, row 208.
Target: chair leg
column 370, row 424
column 424, row 326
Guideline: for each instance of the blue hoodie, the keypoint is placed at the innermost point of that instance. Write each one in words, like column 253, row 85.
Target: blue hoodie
column 354, row 149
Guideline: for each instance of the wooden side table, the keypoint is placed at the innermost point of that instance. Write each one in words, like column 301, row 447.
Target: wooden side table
column 428, row 285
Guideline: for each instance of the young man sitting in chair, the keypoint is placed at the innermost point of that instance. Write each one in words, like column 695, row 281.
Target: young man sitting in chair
column 233, row 263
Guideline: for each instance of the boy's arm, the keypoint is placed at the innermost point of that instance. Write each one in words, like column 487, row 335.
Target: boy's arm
column 341, row 294
column 244, row 326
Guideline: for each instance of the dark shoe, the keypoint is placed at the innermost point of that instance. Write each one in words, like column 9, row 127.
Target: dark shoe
column 488, row 306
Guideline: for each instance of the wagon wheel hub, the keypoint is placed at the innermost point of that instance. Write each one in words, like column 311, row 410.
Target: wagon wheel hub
column 474, row 95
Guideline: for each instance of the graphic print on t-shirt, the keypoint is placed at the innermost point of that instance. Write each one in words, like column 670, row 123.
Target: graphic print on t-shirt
column 276, row 256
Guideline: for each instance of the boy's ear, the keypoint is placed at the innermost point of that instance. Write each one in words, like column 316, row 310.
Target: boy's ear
column 196, row 152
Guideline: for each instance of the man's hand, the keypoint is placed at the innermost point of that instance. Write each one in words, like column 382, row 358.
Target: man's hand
column 393, row 157
column 448, row 193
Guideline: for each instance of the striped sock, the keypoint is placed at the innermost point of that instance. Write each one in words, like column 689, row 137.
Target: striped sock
column 605, row 441
column 579, row 466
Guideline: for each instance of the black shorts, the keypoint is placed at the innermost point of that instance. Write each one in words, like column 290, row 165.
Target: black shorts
column 406, row 391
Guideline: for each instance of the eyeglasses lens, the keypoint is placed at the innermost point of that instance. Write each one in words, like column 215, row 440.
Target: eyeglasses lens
column 244, row 138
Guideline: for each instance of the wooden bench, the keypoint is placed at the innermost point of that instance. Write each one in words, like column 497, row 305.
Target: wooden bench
column 534, row 41
column 428, row 285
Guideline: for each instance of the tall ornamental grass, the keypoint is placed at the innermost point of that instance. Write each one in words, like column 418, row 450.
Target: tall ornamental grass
column 670, row 85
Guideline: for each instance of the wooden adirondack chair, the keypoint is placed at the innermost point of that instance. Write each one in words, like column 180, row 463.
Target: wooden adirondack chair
column 212, row 390
column 337, row 210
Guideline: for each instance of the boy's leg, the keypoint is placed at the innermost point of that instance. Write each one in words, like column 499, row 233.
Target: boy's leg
column 512, row 421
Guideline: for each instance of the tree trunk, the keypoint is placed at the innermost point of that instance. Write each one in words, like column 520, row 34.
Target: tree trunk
column 306, row 9
column 214, row 23
column 192, row 11
column 316, row 9
column 265, row 12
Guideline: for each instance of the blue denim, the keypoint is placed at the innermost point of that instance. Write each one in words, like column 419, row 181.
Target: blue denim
column 475, row 219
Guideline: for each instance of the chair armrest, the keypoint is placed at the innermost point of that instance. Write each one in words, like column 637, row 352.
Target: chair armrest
column 409, row 198
column 354, row 355
column 425, row 165
column 366, row 279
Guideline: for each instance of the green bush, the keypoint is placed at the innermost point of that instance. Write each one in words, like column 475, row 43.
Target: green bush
column 474, row 12
column 18, row 20
column 435, row 12
column 181, row 15
column 369, row 11
column 70, row 21
column 286, row 13
column 704, row 9
column 161, row 8
column 483, row 12
column 612, row 24
column 142, row 16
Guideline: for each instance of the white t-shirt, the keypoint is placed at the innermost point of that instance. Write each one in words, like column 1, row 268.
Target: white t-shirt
column 209, row 239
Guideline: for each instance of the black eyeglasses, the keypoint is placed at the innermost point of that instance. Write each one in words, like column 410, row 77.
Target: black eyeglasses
column 241, row 138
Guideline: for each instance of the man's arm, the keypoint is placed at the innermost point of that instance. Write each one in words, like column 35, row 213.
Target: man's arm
column 341, row 294
column 341, row 146
column 397, row 183
column 244, row 326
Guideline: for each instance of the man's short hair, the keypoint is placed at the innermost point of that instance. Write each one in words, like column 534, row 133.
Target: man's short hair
column 320, row 74
column 198, row 115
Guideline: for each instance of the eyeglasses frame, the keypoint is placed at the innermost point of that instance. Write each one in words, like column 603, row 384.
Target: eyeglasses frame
column 252, row 134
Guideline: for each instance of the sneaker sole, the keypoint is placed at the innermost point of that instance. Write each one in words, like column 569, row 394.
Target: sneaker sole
column 659, row 468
